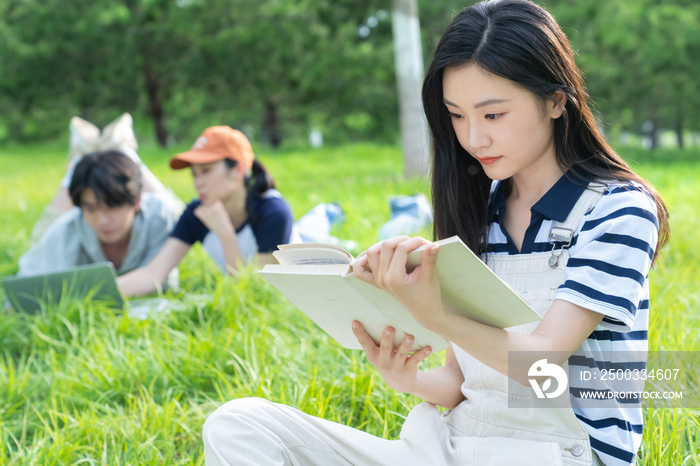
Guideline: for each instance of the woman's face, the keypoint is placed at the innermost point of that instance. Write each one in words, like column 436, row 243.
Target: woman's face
column 215, row 181
column 502, row 125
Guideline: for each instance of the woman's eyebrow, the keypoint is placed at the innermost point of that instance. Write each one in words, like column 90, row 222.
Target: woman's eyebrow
column 490, row 102
column 480, row 104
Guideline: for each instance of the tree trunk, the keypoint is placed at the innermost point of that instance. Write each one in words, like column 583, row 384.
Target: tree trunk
column 155, row 107
column 654, row 134
column 679, row 132
column 409, row 75
column 270, row 124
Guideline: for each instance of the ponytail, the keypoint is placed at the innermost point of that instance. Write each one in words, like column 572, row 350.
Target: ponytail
column 257, row 182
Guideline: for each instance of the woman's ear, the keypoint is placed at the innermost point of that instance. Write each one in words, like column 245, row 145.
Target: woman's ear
column 240, row 168
column 237, row 172
column 556, row 107
column 137, row 206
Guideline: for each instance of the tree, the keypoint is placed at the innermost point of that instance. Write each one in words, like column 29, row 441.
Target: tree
column 409, row 73
column 286, row 66
column 187, row 64
column 640, row 58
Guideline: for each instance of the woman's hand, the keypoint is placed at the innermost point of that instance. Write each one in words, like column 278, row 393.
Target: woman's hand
column 384, row 266
column 398, row 369
column 368, row 262
column 215, row 217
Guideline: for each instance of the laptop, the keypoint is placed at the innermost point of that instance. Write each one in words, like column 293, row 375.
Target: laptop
column 30, row 293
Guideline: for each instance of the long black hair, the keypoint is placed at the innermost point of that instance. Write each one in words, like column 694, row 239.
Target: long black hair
column 257, row 182
column 519, row 41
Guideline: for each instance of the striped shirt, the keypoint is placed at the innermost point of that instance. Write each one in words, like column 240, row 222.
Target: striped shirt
column 607, row 272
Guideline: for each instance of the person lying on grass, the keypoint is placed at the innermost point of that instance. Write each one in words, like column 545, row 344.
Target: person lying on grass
column 86, row 138
column 239, row 216
column 112, row 220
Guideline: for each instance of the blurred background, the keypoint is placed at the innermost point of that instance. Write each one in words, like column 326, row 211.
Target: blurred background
column 313, row 84
column 281, row 70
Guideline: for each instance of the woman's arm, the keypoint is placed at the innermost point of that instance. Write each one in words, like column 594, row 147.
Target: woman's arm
column 216, row 219
column 563, row 329
column 265, row 258
column 232, row 253
column 439, row 386
column 149, row 278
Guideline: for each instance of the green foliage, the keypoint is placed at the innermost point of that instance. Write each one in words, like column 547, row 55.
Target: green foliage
column 83, row 384
column 212, row 62
column 639, row 58
column 227, row 62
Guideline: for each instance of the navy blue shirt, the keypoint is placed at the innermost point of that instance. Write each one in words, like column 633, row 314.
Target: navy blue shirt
column 555, row 205
column 272, row 223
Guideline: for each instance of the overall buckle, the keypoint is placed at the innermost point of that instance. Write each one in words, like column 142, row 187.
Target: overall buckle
column 562, row 235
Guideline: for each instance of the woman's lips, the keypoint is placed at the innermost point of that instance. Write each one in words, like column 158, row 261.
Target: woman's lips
column 489, row 160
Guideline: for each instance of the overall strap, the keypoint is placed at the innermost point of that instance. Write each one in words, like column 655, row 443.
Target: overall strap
column 564, row 231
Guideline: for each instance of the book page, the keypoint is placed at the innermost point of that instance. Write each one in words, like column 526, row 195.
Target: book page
column 312, row 254
column 312, row 245
column 312, row 269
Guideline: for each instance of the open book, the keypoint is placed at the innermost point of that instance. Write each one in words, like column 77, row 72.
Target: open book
column 318, row 279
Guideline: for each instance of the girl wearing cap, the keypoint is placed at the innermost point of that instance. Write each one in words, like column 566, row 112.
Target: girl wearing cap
column 239, row 216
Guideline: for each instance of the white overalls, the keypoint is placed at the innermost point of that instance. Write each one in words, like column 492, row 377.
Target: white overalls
column 482, row 430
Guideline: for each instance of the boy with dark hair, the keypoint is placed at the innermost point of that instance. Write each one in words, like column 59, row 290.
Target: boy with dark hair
column 112, row 220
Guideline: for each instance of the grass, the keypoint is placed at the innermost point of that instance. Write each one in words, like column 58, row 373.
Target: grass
column 82, row 384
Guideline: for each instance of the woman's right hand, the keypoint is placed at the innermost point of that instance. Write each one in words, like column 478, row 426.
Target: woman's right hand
column 215, row 217
column 398, row 369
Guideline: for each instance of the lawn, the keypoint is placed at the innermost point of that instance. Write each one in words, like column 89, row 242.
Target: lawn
column 82, row 384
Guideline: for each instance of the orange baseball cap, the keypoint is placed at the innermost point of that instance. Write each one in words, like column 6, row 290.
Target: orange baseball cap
column 216, row 143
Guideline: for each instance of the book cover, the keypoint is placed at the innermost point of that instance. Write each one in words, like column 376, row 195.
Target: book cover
column 318, row 279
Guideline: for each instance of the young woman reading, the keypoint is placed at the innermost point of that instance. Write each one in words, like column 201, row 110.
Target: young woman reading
column 522, row 174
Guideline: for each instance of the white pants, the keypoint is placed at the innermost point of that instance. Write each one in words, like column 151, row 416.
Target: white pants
column 256, row 432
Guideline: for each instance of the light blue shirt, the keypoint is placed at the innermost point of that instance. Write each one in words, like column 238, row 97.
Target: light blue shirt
column 70, row 241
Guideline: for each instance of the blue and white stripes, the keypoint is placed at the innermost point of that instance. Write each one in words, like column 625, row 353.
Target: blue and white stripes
column 607, row 272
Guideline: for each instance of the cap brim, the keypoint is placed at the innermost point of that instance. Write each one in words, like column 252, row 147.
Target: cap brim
column 186, row 159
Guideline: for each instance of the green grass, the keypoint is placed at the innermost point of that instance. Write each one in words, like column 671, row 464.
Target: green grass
column 81, row 384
